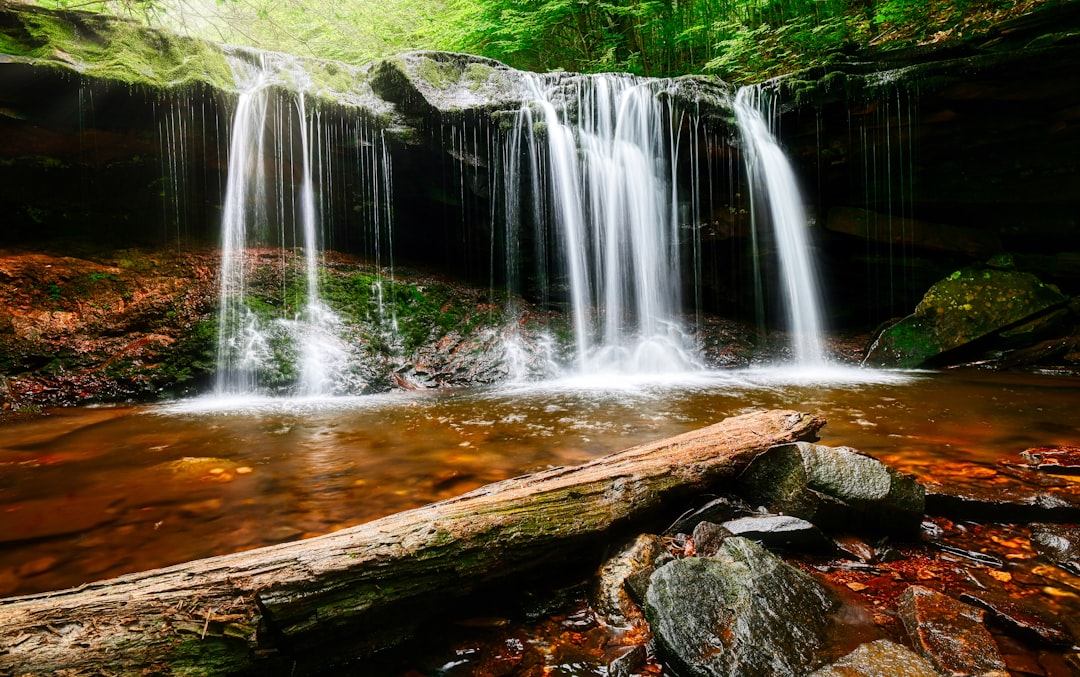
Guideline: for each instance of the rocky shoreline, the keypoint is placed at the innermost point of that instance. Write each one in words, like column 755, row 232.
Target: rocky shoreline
column 747, row 583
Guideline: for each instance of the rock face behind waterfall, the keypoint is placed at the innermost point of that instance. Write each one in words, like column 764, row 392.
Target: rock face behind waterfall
column 922, row 161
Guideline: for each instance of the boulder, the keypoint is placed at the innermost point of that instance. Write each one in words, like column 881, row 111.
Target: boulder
column 949, row 634
column 971, row 304
column 427, row 83
column 879, row 659
column 836, row 488
column 743, row 612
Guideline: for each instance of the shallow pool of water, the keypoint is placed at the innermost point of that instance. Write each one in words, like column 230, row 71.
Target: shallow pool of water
column 90, row 493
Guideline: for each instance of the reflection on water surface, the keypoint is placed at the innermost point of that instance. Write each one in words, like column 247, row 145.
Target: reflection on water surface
column 94, row 492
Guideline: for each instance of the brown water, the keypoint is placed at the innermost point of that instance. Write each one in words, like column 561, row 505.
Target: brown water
column 91, row 493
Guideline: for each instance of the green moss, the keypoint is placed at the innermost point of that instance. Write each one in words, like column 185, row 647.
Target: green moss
column 439, row 74
column 111, row 48
column 477, row 74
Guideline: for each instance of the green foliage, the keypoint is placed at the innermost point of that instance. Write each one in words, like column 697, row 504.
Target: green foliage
column 739, row 40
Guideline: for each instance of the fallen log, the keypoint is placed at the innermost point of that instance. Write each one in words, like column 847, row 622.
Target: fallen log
column 301, row 607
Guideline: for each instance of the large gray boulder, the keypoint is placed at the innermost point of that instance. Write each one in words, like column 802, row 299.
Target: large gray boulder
column 743, row 611
column 836, row 488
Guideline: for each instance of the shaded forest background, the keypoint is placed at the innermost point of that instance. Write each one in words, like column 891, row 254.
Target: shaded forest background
column 738, row 40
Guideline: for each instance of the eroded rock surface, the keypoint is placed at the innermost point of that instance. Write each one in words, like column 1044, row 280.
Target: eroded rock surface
column 879, row 659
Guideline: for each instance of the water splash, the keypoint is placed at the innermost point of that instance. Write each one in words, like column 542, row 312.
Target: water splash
column 772, row 180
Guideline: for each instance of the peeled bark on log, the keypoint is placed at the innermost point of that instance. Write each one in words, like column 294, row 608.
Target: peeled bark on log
column 298, row 608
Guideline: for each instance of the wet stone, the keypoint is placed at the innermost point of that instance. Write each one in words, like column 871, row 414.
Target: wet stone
column 720, row 509
column 610, row 599
column 879, row 659
column 836, row 488
column 856, row 548
column 1019, row 617
column 627, row 661
column 1005, row 499
column 1058, row 460
column 743, row 612
column 970, row 304
column 949, row 634
column 781, row 531
column 1059, row 543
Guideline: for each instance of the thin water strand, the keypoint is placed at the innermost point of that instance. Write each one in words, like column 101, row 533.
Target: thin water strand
column 773, row 179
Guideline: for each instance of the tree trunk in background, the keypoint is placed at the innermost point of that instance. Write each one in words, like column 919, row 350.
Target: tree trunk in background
column 298, row 608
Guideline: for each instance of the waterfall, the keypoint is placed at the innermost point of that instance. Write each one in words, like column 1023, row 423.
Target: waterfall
column 242, row 347
column 322, row 355
column 772, row 181
column 272, row 182
column 609, row 194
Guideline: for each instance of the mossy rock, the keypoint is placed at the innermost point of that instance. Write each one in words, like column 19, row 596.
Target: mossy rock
column 969, row 305
column 109, row 48
column 429, row 83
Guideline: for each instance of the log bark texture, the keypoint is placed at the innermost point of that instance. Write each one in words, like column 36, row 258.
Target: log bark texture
column 300, row 608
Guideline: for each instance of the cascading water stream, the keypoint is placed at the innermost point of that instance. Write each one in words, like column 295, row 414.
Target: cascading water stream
column 241, row 347
column 610, row 199
column 244, row 351
column 322, row 356
column 772, row 180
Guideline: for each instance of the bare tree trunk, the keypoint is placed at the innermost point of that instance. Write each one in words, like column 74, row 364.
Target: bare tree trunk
column 300, row 607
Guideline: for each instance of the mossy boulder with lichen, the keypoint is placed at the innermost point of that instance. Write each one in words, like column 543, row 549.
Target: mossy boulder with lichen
column 969, row 305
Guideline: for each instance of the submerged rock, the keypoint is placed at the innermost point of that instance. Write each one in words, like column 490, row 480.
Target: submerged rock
column 1059, row 543
column 949, row 634
column 743, row 612
column 1020, row 495
column 1020, row 617
column 836, row 488
column 879, row 659
column 1063, row 460
column 970, row 304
